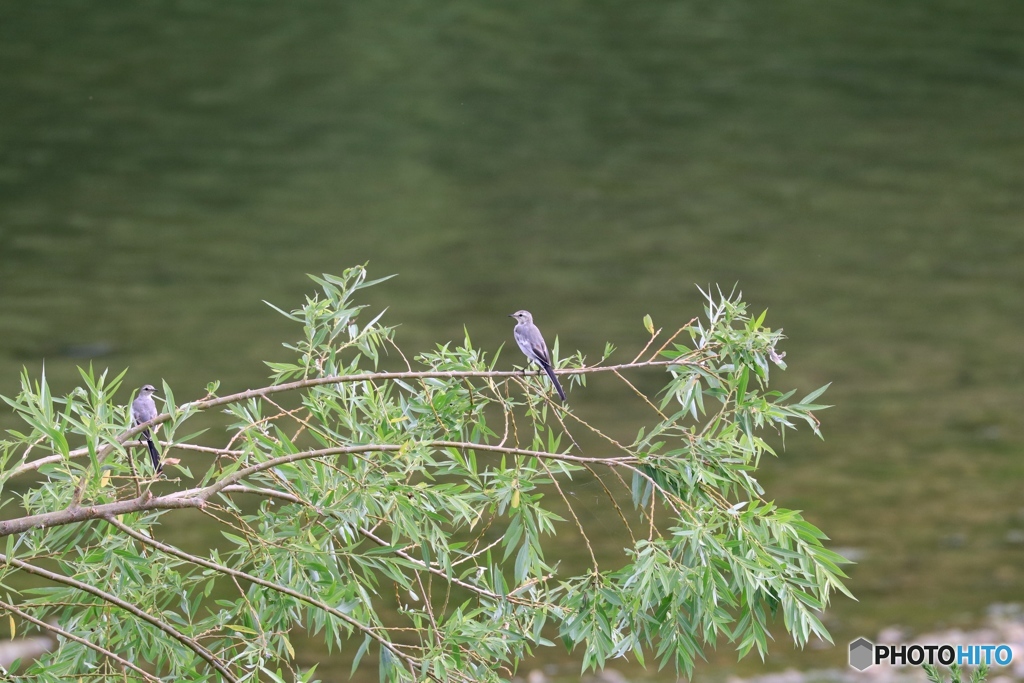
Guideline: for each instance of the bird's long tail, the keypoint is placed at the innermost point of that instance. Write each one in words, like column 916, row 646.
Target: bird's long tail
column 154, row 455
column 554, row 380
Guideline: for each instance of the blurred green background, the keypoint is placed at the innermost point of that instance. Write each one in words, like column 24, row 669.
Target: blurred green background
column 856, row 167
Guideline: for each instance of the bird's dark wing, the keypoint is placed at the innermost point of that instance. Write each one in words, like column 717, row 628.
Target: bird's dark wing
column 541, row 350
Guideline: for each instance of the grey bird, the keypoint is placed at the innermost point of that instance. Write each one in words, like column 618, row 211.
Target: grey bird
column 531, row 343
column 144, row 410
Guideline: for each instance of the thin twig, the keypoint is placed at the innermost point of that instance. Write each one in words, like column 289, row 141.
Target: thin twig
column 440, row 572
column 572, row 512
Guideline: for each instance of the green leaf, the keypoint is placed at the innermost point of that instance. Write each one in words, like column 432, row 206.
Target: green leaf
column 814, row 394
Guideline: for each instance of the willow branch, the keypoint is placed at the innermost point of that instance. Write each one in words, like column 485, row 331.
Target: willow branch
column 73, row 515
column 198, row 497
column 224, row 569
column 128, row 607
column 206, row 404
column 270, row 493
column 419, row 374
column 81, row 641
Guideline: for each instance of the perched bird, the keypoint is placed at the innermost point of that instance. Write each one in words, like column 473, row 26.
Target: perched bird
column 531, row 342
column 144, row 410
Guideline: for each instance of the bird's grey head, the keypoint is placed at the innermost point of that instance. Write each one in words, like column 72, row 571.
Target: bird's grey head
column 522, row 316
column 147, row 390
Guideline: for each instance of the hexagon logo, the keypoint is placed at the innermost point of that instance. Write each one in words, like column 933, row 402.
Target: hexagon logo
column 861, row 654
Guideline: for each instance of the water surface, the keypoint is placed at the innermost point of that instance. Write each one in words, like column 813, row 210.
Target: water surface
column 855, row 167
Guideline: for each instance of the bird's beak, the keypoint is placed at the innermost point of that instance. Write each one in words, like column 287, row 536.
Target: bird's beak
column 511, row 315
